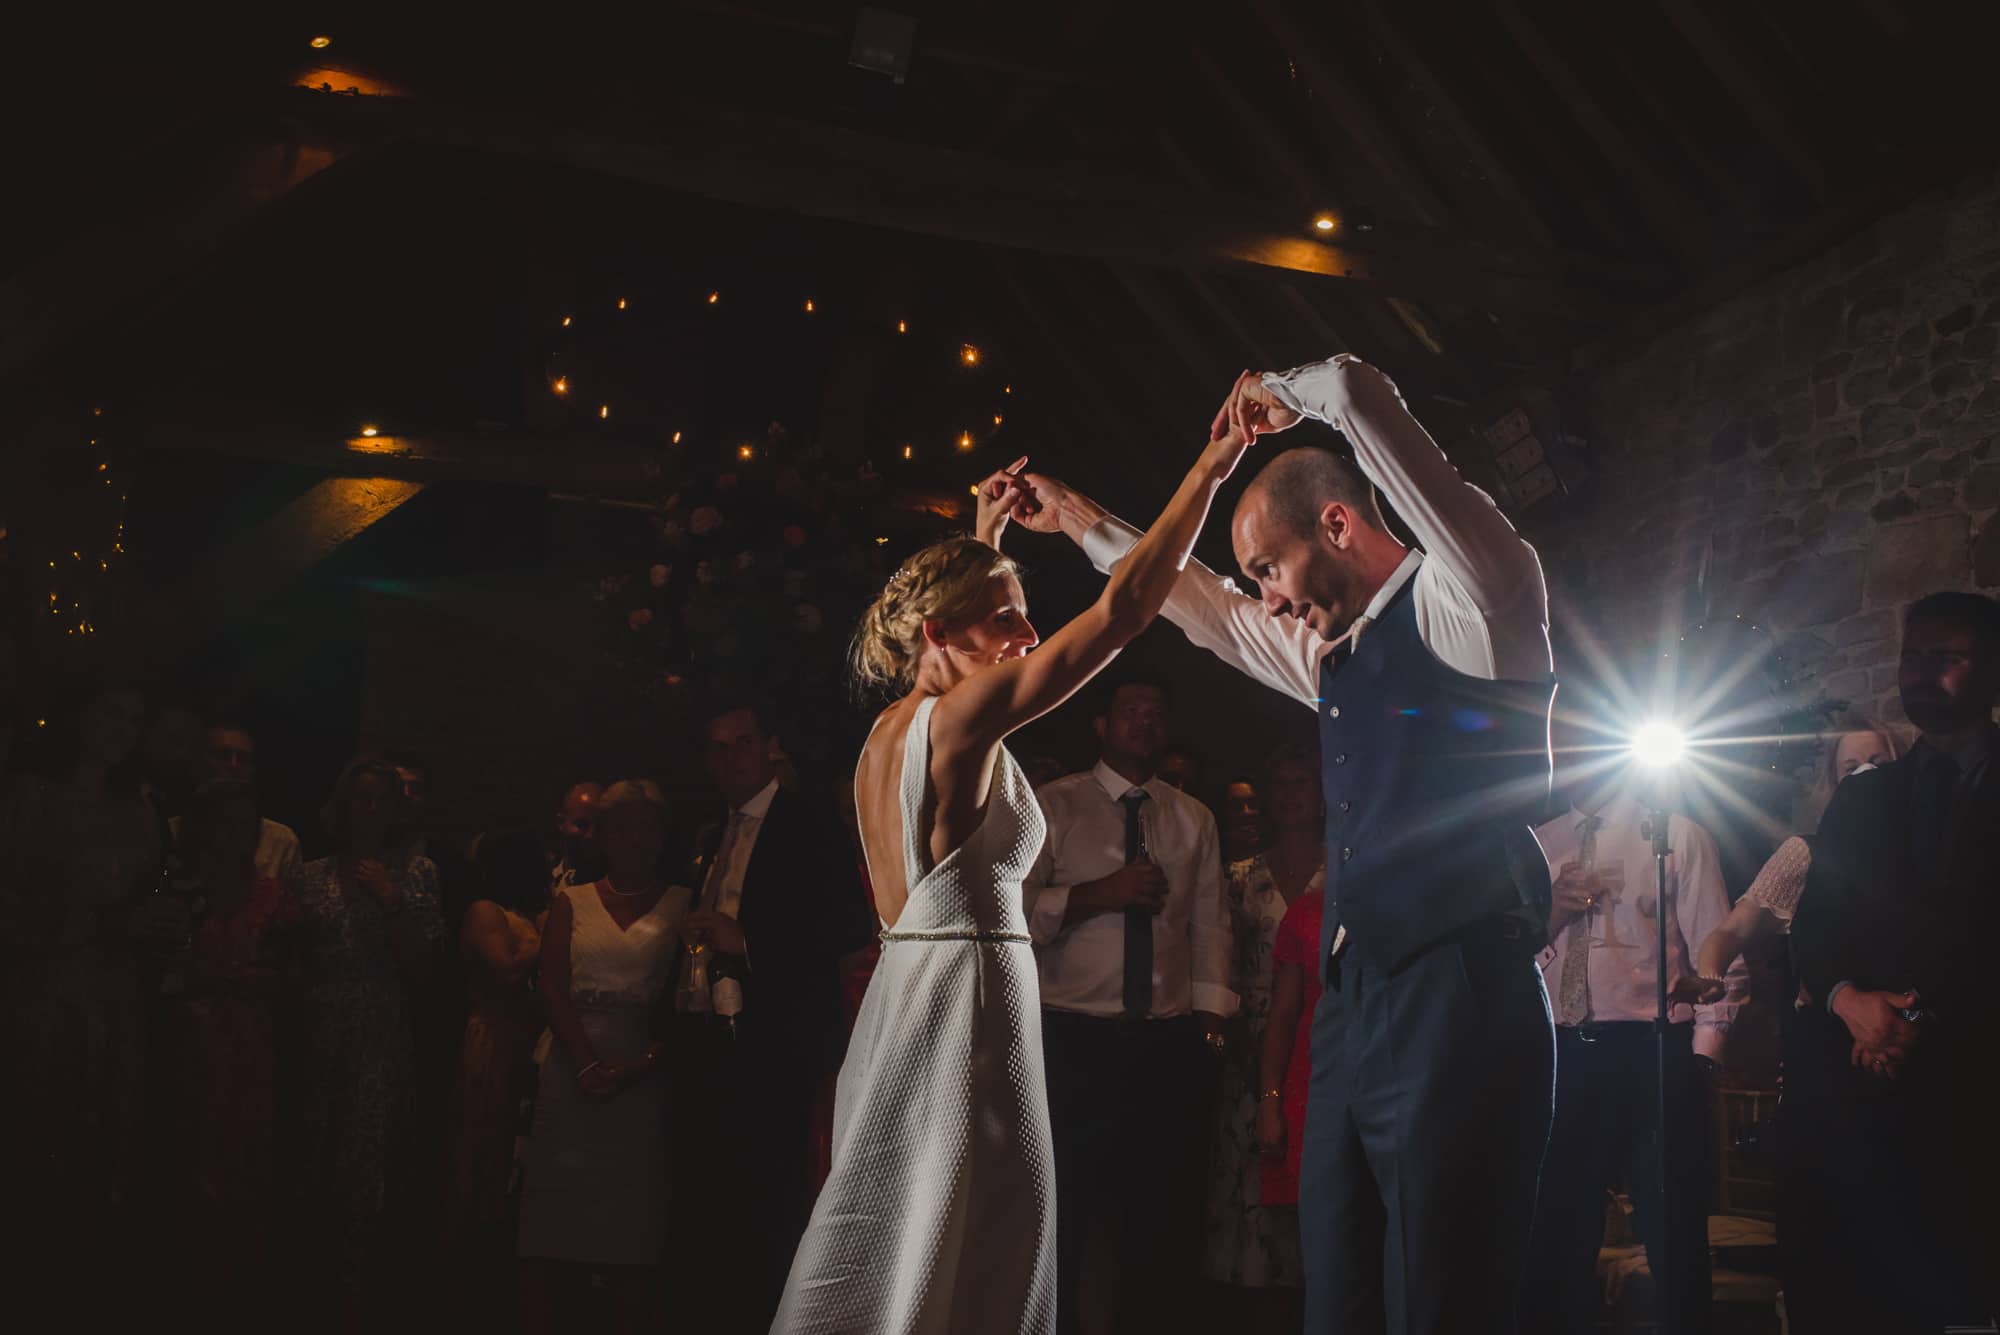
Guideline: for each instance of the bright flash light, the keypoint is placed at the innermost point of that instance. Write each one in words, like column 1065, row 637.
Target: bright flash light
column 969, row 355
column 1657, row 745
column 1324, row 222
column 320, row 43
column 370, row 431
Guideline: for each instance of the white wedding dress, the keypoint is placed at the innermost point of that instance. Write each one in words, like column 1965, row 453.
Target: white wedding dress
column 939, row 1214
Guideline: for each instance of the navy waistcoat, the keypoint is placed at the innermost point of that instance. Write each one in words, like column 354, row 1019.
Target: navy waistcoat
column 1434, row 781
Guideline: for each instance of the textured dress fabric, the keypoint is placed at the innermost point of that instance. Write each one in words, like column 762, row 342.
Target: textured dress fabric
column 594, row 1187
column 939, row 1213
column 1247, row 1245
column 1782, row 880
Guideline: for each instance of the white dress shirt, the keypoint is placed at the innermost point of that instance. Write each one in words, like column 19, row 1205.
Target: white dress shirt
column 278, row 852
column 1620, row 927
column 1481, row 605
column 1083, row 964
column 722, row 886
column 277, row 855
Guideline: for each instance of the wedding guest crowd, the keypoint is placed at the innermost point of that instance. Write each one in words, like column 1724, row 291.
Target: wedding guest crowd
column 635, row 1101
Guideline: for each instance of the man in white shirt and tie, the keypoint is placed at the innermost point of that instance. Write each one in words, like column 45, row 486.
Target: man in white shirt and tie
column 1125, row 906
column 1601, row 967
column 1432, row 1050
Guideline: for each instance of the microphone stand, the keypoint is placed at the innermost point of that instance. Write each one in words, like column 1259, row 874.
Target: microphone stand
column 1664, row 1282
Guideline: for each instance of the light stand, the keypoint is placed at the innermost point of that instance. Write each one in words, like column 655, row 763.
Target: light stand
column 1664, row 1283
column 1658, row 747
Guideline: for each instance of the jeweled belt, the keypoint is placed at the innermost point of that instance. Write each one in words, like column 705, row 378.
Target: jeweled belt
column 1017, row 938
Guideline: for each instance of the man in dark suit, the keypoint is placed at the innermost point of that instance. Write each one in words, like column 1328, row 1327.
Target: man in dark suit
column 1890, row 1081
column 757, row 1022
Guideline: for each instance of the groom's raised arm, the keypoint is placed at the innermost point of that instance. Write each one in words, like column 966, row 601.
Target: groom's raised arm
column 1215, row 615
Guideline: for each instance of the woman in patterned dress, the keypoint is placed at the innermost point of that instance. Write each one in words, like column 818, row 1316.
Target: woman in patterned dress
column 370, row 933
column 1253, row 1245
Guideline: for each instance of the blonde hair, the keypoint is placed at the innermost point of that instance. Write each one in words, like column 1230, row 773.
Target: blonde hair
column 943, row 582
column 1829, row 772
column 626, row 792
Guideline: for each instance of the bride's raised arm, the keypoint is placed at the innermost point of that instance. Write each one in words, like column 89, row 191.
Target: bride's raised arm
column 987, row 706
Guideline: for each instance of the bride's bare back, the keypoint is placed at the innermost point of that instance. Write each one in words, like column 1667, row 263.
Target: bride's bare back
column 955, row 798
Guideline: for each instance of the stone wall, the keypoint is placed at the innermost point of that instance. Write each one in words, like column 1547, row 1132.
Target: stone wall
column 1812, row 453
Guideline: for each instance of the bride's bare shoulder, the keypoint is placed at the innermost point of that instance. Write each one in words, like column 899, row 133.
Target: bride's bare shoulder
column 885, row 736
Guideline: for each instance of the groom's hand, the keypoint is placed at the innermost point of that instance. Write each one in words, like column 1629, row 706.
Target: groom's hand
column 1252, row 410
column 1054, row 507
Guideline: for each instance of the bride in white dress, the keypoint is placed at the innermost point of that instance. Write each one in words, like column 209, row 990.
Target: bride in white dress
column 939, row 1213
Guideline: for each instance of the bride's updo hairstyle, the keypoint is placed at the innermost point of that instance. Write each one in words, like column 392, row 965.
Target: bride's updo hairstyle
column 946, row 582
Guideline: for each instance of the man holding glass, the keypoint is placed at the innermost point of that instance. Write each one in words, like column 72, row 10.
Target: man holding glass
column 1601, row 971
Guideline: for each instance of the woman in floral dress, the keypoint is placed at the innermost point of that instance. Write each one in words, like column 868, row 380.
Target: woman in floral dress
column 370, row 933
column 1249, row 1246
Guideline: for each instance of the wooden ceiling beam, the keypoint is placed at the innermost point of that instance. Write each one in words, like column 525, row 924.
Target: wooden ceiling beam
column 551, row 461
column 1663, row 202
column 988, row 52
column 1261, row 137
column 1465, row 131
column 753, row 158
column 104, row 271
column 253, row 567
column 1405, row 192
column 1756, row 88
column 1665, row 107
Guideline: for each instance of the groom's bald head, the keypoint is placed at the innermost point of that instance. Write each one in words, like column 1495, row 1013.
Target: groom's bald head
column 1294, row 489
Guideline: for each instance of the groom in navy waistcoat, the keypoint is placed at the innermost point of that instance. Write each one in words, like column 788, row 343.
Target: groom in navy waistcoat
column 1429, row 671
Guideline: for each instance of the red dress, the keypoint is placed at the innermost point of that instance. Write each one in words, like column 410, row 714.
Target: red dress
column 1297, row 943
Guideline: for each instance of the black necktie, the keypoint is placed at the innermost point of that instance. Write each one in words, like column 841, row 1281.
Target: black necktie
column 1138, row 919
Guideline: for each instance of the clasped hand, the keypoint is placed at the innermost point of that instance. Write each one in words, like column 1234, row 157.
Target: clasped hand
column 1883, row 1038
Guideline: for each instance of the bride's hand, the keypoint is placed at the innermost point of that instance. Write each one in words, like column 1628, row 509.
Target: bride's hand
column 998, row 495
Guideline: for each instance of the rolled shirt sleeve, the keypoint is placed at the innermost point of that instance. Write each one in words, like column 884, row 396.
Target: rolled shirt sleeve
column 1218, row 616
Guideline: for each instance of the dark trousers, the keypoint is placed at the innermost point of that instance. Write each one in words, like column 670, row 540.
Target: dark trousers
column 742, row 1187
column 1887, row 1188
column 1425, row 1124
column 1130, row 1106
column 1605, row 1114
